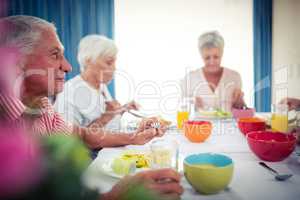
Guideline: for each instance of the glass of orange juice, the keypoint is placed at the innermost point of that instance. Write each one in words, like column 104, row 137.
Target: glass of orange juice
column 182, row 116
column 183, row 113
column 279, row 120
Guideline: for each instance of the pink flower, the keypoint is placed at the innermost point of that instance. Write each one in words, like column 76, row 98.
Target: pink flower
column 20, row 160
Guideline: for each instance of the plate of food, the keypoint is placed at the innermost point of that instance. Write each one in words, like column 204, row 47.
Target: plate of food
column 126, row 163
column 213, row 114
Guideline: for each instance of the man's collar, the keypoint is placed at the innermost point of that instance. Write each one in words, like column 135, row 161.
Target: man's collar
column 13, row 107
column 43, row 107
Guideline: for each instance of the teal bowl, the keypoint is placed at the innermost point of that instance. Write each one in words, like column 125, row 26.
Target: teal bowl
column 208, row 173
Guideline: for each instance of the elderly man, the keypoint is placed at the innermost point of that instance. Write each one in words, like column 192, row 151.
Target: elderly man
column 85, row 98
column 40, row 74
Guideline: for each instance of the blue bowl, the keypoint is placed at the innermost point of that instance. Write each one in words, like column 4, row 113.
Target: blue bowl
column 218, row 160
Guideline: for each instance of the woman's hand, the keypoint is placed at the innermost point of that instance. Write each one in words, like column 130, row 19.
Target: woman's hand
column 148, row 123
column 292, row 103
column 198, row 103
column 159, row 184
column 131, row 106
column 113, row 107
column 238, row 99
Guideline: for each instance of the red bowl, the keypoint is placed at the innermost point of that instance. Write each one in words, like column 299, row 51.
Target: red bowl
column 247, row 125
column 271, row 146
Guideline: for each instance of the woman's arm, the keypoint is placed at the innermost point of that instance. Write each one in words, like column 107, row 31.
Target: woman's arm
column 238, row 95
column 238, row 99
column 96, row 137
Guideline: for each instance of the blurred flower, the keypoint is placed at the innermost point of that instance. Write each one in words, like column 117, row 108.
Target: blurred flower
column 20, row 167
column 9, row 57
column 66, row 150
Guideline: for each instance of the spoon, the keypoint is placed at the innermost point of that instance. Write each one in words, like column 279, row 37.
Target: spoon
column 290, row 121
column 278, row 177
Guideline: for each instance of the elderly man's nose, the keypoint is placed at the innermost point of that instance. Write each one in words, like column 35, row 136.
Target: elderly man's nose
column 66, row 66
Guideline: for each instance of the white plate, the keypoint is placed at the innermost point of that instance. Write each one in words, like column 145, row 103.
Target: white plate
column 105, row 167
column 204, row 117
column 210, row 115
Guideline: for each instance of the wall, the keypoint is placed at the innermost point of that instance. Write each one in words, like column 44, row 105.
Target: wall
column 157, row 43
column 286, row 49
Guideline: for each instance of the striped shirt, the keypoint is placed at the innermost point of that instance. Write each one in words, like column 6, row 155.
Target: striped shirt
column 44, row 122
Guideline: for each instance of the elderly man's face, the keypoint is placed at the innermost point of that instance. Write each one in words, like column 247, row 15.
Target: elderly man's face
column 46, row 66
column 212, row 57
column 104, row 68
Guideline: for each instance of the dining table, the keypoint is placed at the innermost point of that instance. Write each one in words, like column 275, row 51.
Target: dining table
column 250, row 180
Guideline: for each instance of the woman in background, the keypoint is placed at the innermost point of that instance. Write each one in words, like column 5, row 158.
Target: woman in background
column 85, row 98
column 213, row 86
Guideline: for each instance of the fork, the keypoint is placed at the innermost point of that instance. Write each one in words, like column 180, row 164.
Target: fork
column 135, row 114
column 155, row 125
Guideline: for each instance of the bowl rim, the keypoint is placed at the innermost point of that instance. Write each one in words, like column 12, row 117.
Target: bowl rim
column 294, row 140
column 247, row 122
column 248, row 108
column 216, row 167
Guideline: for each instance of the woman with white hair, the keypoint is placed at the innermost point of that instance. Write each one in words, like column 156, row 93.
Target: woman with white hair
column 86, row 98
column 213, row 86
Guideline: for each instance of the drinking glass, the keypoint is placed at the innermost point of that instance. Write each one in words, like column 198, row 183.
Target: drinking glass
column 184, row 112
column 164, row 154
column 279, row 120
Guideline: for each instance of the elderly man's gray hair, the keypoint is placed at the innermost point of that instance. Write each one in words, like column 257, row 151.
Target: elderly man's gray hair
column 95, row 46
column 23, row 32
column 211, row 39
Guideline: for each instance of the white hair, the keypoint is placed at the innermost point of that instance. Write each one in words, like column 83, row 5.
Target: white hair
column 93, row 47
column 23, row 32
column 211, row 39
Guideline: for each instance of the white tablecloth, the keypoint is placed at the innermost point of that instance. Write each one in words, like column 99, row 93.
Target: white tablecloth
column 250, row 180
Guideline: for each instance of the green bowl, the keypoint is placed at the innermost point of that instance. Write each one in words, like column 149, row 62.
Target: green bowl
column 208, row 173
